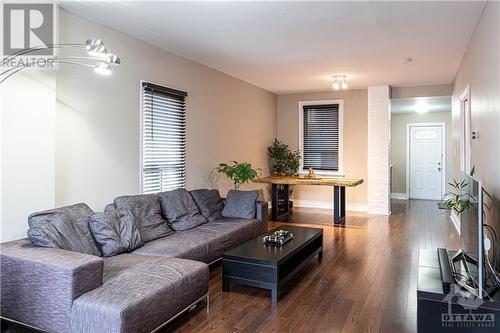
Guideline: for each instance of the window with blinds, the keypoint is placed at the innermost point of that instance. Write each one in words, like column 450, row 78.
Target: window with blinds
column 321, row 137
column 163, row 138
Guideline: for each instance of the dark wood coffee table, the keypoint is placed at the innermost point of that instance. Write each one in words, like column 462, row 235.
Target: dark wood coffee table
column 270, row 266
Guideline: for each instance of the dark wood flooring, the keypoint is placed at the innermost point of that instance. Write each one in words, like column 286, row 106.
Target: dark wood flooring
column 365, row 283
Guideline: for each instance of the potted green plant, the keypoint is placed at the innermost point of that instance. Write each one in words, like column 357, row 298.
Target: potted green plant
column 459, row 200
column 284, row 162
column 239, row 173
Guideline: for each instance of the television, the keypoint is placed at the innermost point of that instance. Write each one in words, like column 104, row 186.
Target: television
column 468, row 264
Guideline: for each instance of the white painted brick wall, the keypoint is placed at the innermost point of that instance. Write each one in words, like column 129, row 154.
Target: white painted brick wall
column 379, row 139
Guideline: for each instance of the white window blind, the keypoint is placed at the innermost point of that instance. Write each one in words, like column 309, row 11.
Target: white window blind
column 321, row 137
column 163, row 138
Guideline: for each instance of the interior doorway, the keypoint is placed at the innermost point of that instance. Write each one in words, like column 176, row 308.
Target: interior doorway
column 425, row 165
column 421, row 156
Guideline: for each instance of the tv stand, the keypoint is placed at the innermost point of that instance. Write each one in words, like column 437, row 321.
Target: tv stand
column 443, row 306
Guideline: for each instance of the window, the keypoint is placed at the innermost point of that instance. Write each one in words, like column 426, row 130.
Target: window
column 163, row 138
column 321, row 136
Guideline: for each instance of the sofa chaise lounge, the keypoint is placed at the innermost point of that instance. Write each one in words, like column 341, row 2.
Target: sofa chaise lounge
column 59, row 290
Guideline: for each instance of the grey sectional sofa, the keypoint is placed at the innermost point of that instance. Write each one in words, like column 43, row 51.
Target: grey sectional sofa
column 58, row 290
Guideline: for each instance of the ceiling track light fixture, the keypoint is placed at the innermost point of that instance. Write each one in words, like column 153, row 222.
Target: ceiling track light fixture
column 339, row 82
column 98, row 58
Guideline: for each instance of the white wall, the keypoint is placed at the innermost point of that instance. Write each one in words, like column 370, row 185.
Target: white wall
column 27, row 149
column 481, row 69
column 98, row 118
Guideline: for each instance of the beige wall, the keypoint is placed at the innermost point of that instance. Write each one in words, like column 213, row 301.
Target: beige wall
column 355, row 140
column 98, row 118
column 422, row 91
column 398, row 144
column 481, row 69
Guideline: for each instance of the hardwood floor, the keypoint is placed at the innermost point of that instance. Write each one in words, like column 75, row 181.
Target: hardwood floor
column 365, row 283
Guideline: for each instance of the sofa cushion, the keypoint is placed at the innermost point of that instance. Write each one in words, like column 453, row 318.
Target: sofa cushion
column 230, row 233
column 115, row 231
column 65, row 227
column 180, row 210
column 146, row 209
column 190, row 244
column 209, row 203
column 204, row 243
column 142, row 294
column 240, row 204
column 109, row 207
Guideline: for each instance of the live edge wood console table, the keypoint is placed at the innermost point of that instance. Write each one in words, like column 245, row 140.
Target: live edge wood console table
column 338, row 184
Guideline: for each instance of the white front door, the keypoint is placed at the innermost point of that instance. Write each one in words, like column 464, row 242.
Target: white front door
column 426, row 162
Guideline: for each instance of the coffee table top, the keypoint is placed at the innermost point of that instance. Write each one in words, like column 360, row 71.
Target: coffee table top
column 256, row 251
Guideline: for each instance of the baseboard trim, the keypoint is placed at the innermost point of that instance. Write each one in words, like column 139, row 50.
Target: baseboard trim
column 352, row 207
column 400, row 196
column 455, row 220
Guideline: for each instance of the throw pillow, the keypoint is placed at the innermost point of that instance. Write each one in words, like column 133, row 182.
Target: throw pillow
column 65, row 228
column 180, row 210
column 240, row 204
column 146, row 209
column 209, row 203
column 115, row 232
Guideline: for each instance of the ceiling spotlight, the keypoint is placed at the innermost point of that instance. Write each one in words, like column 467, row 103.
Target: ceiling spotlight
column 422, row 108
column 339, row 82
column 93, row 42
column 406, row 60
column 112, row 59
column 102, row 68
column 98, row 51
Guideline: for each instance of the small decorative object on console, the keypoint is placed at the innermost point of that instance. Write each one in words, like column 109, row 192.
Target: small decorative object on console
column 311, row 174
column 279, row 237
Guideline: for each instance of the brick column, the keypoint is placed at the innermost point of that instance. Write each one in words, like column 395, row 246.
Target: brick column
column 379, row 139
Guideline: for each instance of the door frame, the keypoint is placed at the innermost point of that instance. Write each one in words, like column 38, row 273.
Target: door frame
column 465, row 136
column 443, row 150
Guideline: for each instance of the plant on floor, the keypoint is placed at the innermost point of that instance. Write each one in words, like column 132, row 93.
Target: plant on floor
column 284, row 161
column 239, row 173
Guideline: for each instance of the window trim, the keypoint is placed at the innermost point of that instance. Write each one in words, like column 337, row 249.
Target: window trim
column 141, row 122
column 340, row 102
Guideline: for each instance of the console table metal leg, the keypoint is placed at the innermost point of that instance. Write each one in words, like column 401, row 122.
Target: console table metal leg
column 275, row 212
column 286, row 198
column 338, row 204
column 342, row 205
column 274, row 202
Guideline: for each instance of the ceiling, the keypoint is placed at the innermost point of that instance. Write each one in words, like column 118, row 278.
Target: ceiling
column 289, row 47
column 413, row 105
